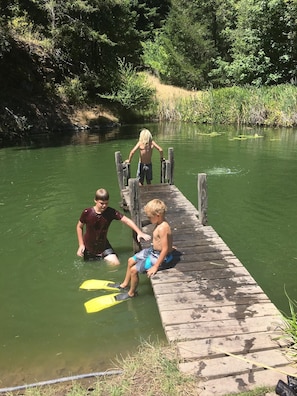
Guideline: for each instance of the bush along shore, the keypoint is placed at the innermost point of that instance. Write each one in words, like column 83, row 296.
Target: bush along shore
column 274, row 106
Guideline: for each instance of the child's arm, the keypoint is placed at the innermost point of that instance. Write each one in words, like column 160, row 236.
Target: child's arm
column 159, row 148
column 81, row 245
column 134, row 227
column 132, row 152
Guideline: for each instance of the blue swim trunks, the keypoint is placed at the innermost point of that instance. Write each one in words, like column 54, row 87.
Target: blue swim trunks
column 146, row 258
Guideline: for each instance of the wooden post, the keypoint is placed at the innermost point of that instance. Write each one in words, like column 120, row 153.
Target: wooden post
column 126, row 173
column 202, row 198
column 163, row 171
column 135, row 209
column 171, row 164
column 119, row 166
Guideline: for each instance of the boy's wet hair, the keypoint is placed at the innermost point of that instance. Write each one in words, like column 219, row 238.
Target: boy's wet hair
column 101, row 194
column 145, row 136
column 155, row 207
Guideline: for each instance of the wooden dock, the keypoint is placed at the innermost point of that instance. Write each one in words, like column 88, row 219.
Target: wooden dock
column 226, row 330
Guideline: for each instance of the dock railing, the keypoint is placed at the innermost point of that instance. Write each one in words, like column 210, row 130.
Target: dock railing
column 130, row 190
column 166, row 169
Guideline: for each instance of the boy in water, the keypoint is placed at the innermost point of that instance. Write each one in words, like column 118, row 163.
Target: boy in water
column 94, row 245
column 145, row 146
column 149, row 260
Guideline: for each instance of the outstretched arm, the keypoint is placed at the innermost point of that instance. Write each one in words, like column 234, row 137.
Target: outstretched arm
column 132, row 152
column 134, row 227
column 159, row 148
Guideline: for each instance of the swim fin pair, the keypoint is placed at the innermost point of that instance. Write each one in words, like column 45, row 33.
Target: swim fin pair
column 102, row 302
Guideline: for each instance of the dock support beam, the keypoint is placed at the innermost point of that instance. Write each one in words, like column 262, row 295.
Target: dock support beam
column 202, row 198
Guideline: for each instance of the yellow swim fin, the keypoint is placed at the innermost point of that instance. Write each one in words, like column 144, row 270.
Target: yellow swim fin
column 99, row 303
column 96, row 284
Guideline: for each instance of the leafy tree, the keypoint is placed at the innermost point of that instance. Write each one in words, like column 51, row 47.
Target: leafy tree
column 151, row 16
column 133, row 95
column 262, row 44
column 188, row 45
column 92, row 35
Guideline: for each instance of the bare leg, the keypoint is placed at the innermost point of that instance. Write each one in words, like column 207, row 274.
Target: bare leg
column 134, row 281
column 112, row 259
column 127, row 279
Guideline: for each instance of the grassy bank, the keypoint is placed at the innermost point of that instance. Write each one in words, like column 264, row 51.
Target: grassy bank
column 267, row 106
column 153, row 371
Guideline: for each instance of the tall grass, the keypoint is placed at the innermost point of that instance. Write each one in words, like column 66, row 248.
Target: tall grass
column 290, row 329
column 267, row 106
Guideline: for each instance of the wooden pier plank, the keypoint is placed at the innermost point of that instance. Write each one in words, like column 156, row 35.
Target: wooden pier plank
column 210, row 306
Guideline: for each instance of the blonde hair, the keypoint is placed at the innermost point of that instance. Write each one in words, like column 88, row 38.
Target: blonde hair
column 145, row 137
column 155, row 207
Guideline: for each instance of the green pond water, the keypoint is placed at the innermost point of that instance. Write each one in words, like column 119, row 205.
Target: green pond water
column 45, row 331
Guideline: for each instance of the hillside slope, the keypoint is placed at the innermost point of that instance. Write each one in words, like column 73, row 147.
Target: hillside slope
column 28, row 103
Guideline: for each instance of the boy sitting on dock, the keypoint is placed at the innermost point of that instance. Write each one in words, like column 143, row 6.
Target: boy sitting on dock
column 145, row 146
column 149, row 259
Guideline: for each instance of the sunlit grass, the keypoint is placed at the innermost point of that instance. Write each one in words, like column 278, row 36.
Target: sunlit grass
column 290, row 329
column 266, row 106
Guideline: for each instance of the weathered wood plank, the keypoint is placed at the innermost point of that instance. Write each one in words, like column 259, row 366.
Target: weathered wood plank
column 206, row 287
column 219, row 328
column 201, row 274
column 216, row 368
column 208, row 314
column 235, row 344
column 240, row 383
column 188, row 300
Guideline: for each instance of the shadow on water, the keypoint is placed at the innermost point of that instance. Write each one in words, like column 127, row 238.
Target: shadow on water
column 45, row 331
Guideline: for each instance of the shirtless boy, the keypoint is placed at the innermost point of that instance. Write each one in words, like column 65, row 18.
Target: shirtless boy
column 150, row 259
column 145, row 146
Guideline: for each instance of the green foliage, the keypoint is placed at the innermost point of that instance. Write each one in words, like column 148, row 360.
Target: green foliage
column 151, row 16
column 72, row 91
column 261, row 45
column 266, row 106
column 155, row 56
column 188, row 46
column 133, row 92
column 193, row 44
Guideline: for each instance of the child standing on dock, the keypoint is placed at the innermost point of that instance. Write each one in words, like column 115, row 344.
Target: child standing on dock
column 150, row 259
column 94, row 245
column 145, row 146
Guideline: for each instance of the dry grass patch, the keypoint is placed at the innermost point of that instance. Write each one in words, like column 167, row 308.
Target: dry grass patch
column 168, row 92
column 93, row 116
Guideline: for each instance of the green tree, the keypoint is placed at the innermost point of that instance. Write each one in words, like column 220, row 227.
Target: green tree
column 188, row 44
column 151, row 15
column 263, row 43
column 92, row 35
